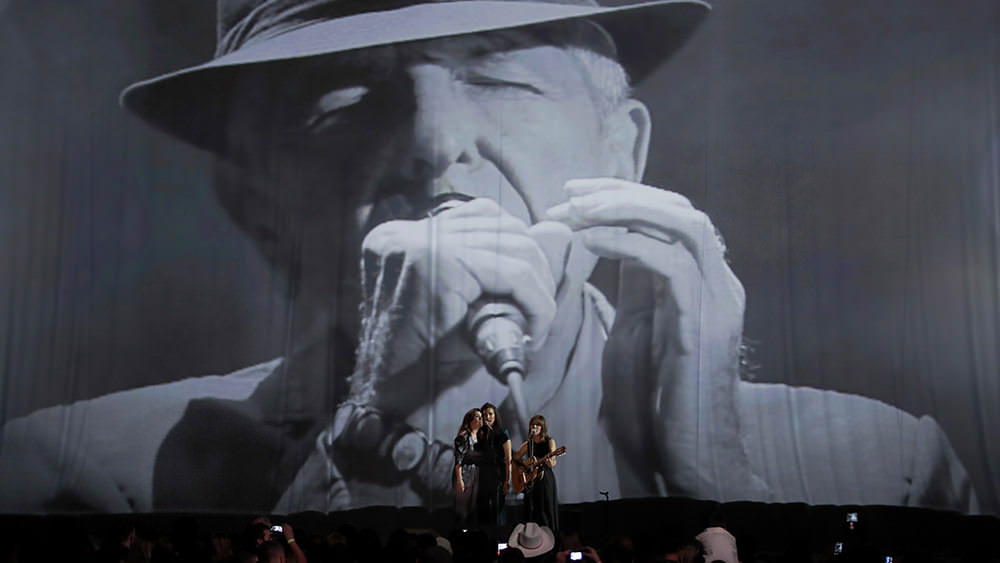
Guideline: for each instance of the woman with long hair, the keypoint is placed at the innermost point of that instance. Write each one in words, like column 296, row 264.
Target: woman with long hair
column 494, row 470
column 541, row 497
column 466, row 474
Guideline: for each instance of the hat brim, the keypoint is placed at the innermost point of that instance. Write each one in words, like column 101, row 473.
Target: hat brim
column 191, row 103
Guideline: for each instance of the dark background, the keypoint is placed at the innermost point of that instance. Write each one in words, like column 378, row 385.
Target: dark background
column 847, row 149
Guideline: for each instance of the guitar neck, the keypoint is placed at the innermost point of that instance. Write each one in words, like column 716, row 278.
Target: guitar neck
column 554, row 453
column 527, row 471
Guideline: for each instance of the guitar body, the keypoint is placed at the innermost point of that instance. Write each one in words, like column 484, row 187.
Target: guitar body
column 526, row 471
column 523, row 472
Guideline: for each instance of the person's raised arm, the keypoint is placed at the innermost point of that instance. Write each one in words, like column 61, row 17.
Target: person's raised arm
column 293, row 544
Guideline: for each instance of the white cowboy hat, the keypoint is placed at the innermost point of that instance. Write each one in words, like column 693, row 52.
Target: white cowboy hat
column 532, row 539
column 191, row 103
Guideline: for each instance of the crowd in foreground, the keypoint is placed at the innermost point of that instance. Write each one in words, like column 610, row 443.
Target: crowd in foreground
column 261, row 540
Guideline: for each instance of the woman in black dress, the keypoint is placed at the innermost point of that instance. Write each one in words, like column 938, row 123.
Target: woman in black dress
column 541, row 497
column 466, row 473
column 494, row 470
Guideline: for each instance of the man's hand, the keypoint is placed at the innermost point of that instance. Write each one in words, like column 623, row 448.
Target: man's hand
column 671, row 363
column 660, row 231
column 421, row 276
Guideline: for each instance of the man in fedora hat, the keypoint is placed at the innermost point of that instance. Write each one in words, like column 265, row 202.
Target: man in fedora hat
column 432, row 160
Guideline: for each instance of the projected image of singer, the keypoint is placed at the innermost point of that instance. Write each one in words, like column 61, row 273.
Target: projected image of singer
column 340, row 129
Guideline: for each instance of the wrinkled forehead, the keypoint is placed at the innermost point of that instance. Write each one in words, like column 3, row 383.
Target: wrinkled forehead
column 541, row 46
column 381, row 63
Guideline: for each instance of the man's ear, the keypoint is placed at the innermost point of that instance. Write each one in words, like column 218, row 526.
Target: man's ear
column 627, row 131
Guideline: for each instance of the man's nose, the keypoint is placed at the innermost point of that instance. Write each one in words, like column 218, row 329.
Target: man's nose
column 444, row 132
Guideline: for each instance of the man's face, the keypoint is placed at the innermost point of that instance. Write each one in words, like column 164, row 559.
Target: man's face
column 370, row 135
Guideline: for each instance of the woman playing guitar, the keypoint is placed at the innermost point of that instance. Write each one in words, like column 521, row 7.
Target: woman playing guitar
column 541, row 499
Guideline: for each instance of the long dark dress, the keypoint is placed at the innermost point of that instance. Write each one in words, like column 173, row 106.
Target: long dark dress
column 492, row 473
column 467, row 458
column 541, row 497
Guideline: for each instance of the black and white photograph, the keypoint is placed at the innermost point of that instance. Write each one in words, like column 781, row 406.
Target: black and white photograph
column 278, row 256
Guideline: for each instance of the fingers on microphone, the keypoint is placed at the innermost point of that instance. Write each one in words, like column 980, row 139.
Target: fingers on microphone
column 383, row 239
column 480, row 206
column 505, row 276
column 521, row 247
column 492, row 223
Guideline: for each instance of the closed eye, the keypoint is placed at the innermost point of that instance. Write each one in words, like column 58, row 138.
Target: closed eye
column 328, row 110
column 501, row 84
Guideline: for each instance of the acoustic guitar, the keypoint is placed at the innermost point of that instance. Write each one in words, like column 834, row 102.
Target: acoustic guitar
column 525, row 471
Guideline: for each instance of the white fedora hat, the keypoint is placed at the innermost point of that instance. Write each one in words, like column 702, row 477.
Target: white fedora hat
column 532, row 539
column 191, row 103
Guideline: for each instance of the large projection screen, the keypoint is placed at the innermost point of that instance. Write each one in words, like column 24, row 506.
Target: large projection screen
column 774, row 275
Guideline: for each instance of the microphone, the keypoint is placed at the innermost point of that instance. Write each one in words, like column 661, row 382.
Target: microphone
column 497, row 329
column 496, row 326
